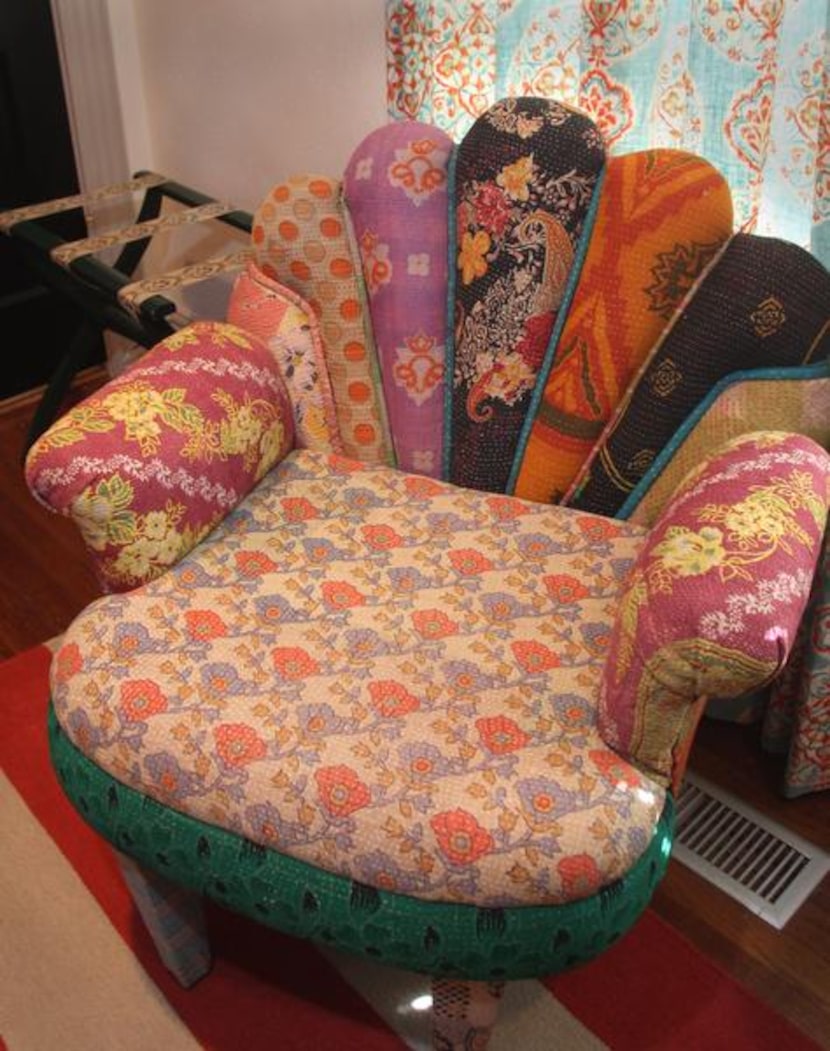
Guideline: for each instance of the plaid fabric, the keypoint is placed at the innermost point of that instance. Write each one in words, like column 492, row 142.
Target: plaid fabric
column 764, row 302
column 525, row 176
column 662, row 216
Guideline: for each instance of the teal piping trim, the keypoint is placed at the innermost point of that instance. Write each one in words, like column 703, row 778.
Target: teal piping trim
column 796, row 372
column 452, row 278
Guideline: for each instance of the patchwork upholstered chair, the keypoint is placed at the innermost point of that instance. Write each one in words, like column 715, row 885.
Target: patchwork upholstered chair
column 378, row 666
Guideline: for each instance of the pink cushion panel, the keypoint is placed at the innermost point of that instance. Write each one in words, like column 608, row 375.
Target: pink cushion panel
column 150, row 463
column 287, row 326
column 717, row 593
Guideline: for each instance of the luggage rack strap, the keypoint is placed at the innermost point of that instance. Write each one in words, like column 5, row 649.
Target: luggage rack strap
column 28, row 212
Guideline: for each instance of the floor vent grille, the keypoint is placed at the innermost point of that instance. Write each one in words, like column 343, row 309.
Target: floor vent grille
column 761, row 864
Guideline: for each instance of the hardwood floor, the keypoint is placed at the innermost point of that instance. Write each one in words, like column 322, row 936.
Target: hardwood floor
column 45, row 573
column 47, row 581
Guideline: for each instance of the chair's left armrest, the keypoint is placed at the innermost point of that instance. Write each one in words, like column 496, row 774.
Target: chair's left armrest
column 715, row 598
column 151, row 462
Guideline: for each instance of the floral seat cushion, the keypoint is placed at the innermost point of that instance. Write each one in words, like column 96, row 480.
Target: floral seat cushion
column 390, row 678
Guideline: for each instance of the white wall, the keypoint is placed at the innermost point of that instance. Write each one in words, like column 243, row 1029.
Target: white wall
column 238, row 94
column 228, row 96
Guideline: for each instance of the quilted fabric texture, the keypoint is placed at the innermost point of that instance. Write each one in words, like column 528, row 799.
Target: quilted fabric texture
column 395, row 189
column 150, row 463
column 300, row 238
column 662, row 216
column 795, row 722
column 288, row 327
column 796, row 400
column 763, row 303
column 524, row 181
column 433, row 937
column 381, row 675
column 729, row 557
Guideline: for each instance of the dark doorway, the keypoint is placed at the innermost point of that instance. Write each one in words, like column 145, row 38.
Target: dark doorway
column 36, row 164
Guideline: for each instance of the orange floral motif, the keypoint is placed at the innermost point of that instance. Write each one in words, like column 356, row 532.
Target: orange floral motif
column 460, row 837
column 339, row 594
column 506, row 508
column 564, row 588
column 615, row 769
column 580, row 876
column 381, row 537
column 377, row 269
column 204, row 625
column 501, row 735
column 238, row 744
column 433, row 624
column 514, row 178
column 341, row 790
column 68, row 662
column 472, row 255
column 597, row 530
column 293, row 662
column 252, row 564
column 415, row 172
column 470, row 562
column 608, row 103
column 421, row 488
column 419, row 368
column 298, row 509
column 534, row 657
column 141, row 698
column 392, row 699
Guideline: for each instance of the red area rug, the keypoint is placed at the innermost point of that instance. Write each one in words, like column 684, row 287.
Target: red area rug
column 651, row 991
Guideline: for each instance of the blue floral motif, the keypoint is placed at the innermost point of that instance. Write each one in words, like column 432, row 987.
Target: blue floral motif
column 220, row 680
column 170, row 779
column 276, row 609
column 545, row 800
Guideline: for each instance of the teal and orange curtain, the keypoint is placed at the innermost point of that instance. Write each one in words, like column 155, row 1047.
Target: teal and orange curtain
column 744, row 83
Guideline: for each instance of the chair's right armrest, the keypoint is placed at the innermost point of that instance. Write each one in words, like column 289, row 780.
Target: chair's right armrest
column 150, row 463
column 714, row 601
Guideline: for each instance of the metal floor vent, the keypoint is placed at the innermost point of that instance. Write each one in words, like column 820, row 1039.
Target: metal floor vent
column 764, row 866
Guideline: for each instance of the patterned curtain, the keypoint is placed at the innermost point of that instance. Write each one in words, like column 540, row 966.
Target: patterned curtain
column 744, row 83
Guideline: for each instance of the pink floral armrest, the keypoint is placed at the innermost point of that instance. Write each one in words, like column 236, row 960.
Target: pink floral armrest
column 716, row 596
column 150, row 463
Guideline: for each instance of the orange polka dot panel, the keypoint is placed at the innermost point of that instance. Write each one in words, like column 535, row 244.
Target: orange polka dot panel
column 301, row 239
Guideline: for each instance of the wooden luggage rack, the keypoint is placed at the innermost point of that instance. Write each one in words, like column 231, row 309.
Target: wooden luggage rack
column 109, row 296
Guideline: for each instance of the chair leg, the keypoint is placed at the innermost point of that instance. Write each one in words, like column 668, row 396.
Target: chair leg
column 80, row 352
column 174, row 918
column 463, row 1013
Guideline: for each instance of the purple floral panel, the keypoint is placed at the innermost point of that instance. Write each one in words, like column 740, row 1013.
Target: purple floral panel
column 395, row 189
